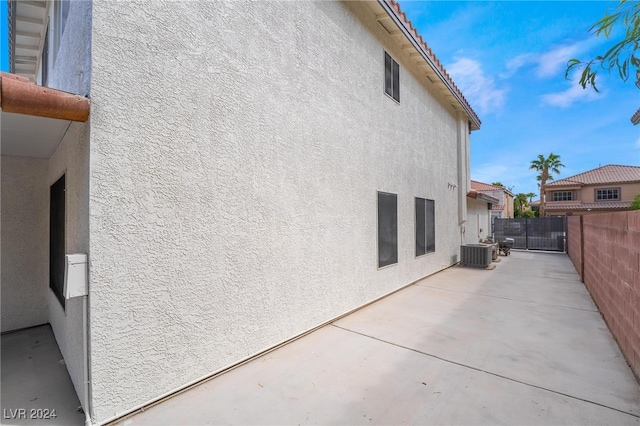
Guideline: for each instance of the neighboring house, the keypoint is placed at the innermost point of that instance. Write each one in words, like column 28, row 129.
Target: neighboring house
column 606, row 188
column 479, row 208
column 635, row 118
column 504, row 208
column 245, row 172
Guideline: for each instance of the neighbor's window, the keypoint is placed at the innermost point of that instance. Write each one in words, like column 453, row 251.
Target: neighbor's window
column 563, row 196
column 607, row 194
column 391, row 77
column 387, row 229
column 425, row 226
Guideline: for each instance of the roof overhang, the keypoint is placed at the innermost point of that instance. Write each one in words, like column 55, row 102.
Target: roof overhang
column 635, row 118
column 34, row 118
column 477, row 195
column 395, row 22
column 27, row 28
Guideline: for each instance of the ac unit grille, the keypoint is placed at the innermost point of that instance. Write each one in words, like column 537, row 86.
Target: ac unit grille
column 477, row 255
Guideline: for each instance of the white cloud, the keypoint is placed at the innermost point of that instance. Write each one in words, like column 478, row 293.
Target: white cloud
column 518, row 62
column 551, row 63
column 638, row 143
column 566, row 98
column 554, row 62
column 475, row 85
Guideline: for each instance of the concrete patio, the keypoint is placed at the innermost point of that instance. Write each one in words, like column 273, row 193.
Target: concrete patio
column 520, row 344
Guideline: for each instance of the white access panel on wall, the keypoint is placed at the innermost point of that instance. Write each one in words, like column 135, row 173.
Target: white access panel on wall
column 75, row 275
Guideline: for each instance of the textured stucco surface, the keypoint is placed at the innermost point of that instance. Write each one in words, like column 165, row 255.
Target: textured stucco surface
column 478, row 221
column 71, row 158
column 236, row 151
column 24, row 235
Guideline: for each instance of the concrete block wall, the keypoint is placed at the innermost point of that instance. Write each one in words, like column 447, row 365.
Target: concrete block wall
column 574, row 241
column 612, row 274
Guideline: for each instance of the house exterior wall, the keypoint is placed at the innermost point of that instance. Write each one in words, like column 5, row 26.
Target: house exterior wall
column 71, row 72
column 26, row 296
column 71, row 158
column 478, row 221
column 236, row 154
column 24, row 232
column 586, row 194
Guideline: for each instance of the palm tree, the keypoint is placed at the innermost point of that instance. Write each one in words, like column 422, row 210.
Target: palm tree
column 498, row 184
column 530, row 196
column 520, row 201
column 545, row 166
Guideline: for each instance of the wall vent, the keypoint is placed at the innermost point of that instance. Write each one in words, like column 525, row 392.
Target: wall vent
column 476, row 255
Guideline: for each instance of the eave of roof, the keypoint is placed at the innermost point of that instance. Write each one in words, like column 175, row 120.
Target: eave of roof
column 635, row 118
column 18, row 95
column 601, row 205
column 392, row 8
column 477, row 195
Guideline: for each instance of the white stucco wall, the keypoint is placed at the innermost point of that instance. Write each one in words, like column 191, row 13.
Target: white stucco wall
column 236, row 151
column 71, row 158
column 478, row 221
column 24, row 237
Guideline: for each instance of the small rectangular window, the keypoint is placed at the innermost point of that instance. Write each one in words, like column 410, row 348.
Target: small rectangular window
column 57, row 238
column 563, row 196
column 608, row 194
column 425, row 226
column 387, row 229
column 391, row 77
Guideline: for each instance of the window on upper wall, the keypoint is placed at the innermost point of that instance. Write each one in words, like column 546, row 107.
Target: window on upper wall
column 60, row 13
column 387, row 229
column 608, row 194
column 563, row 196
column 425, row 226
column 391, row 77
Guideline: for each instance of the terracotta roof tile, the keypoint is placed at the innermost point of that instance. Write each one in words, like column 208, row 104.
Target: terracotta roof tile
column 433, row 58
column 497, row 207
column 595, row 206
column 635, row 118
column 606, row 174
column 479, row 186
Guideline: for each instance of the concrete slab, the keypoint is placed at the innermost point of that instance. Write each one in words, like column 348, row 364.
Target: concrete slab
column 36, row 387
column 518, row 323
column 461, row 347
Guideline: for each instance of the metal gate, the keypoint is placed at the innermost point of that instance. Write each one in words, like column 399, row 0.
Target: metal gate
column 546, row 233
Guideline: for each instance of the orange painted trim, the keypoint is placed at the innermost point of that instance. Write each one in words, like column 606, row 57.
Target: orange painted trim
column 19, row 96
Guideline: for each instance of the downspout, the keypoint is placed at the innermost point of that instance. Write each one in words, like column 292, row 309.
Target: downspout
column 463, row 173
column 85, row 348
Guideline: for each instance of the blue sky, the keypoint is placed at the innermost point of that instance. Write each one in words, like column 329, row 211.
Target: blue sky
column 4, row 37
column 509, row 59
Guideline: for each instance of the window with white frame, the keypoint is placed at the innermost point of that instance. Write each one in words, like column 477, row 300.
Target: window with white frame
column 391, row 77
column 425, row 226
column 563, row 196
column 608, row 194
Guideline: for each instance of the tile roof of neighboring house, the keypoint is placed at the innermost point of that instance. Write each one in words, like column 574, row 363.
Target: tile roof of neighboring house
column 478, row 195
column 497, row 207
column 436, row 62
column 635, row 118
column 594, row 206
column 479, row 186
column 606, row 174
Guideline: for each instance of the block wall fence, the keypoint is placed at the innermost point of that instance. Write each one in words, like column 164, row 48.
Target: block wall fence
column 605, row 249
